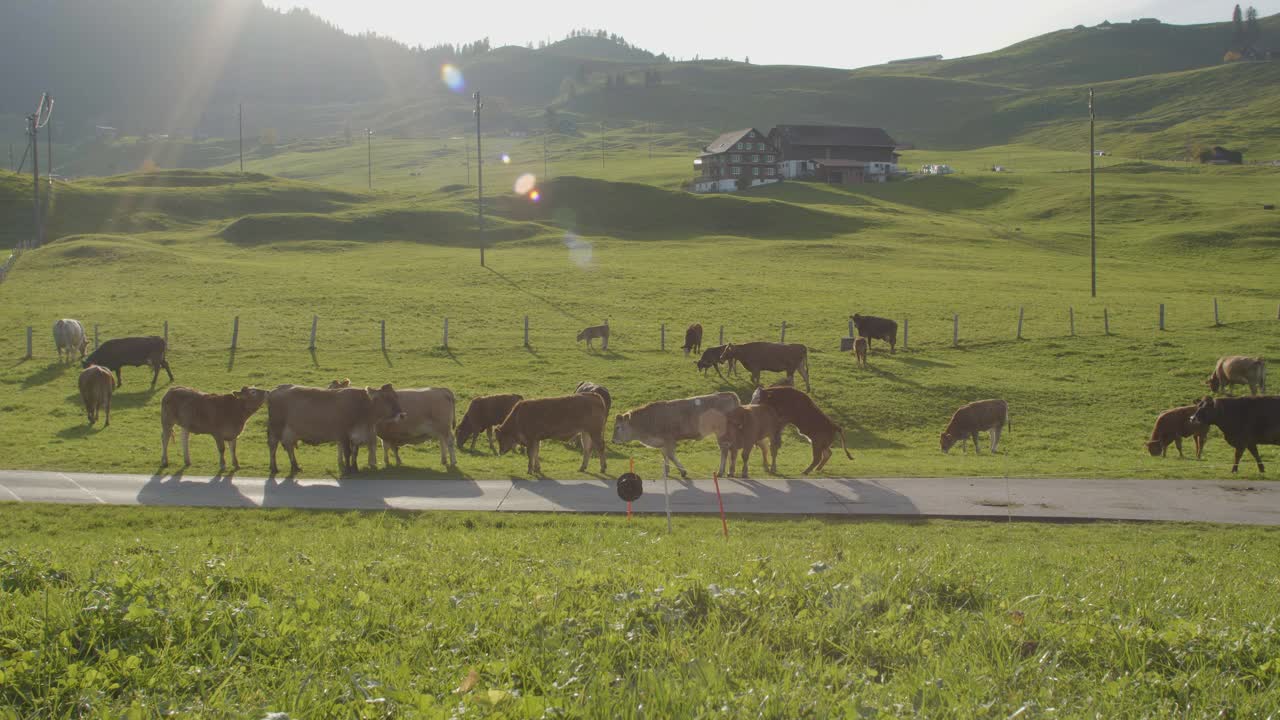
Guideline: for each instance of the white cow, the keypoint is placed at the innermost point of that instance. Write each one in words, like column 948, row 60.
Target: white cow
column 68, row 335
column 662, row 424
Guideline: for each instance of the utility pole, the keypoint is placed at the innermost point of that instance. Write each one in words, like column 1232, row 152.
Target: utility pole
column 48, row 155
column 241, row 138
column 466, row 158
column 479, row 179
column 601, row 144
column 368, row 134
column 1093, row 238
column 34, row 133
column 545, row 174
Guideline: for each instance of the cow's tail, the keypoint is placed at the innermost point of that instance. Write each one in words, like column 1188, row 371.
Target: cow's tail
column 1263, row 379
column 844, row 444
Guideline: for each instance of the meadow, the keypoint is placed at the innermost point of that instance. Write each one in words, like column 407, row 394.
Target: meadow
column 199, row 249
column 144, row 612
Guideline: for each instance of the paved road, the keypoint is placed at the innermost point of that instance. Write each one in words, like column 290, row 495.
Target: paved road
column 1250, row 502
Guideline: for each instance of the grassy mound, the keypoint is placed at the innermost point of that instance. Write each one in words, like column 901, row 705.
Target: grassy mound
column 453, row 228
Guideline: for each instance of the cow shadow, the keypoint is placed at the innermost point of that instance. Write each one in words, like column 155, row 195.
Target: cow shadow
column 548, row 302
column 890, row 376
column 173, row 489
column 877, row 498
column 609, row 355
column 919, row 361
column 130, row 400
column 365, row 491
column 45, row 375
column 82, row 430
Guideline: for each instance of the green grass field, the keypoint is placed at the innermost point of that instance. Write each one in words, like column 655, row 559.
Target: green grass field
column 142, row 612
column 198, row 249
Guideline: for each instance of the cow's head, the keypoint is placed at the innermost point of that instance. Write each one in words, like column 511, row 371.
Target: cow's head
column 339, row 384
column 1206, row 412
column 250, row 398
column 730, row 352
column 1155, row 447
column 710, row 358
column 582, row 335
column 463, row 431
column 947, row 441
column 622, row 428
column 1214, row 383
column 856, row 318
column 508, row 437
column 386, row 404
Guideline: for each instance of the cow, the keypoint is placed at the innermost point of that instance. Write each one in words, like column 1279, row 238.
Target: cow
column 969, row 420
column 796, row 408
column 222, row 416
column 860, row 350
column 877, row 328
column 96, row 386
column 318, row 415
column 774, row 357
column 1246, row 423
column 590, row 387
column 711, row 359
column 692, row 339
column 1238, row 370
column 664, row 423
column 1171, row 427
column 68, row 336
column 427, row 413
column 132, row 351
column 557, row 418
column 482, row 415
column 593, row 332
column 751, row 426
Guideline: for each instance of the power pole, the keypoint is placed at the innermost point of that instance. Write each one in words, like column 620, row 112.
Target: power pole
column 479, row 179
column 368, row 134
column 241, row 138
column 466, row 157
column 601, row 144
column 545, row 174
column 48, row 156
column 34, row 133
column 1093, row 238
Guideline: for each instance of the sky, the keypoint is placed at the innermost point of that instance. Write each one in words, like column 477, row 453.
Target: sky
column 830, row 33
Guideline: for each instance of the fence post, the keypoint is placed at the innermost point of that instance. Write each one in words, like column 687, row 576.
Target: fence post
column 1161, row 316
column 605, row 344
column 166, row 332
column 851, row 328
column 722, row 329
column 526, row 331
column 1106, row 322
column 28, row 357
column 1020, row 323
column 1215, row 313
column 446, row 333
column 95, row 336
column 235, row 332
column 315, row 320
column 662, row 340
column 906, row 327
column 784, row 331
column 955, row 330
column 1071, row 320
column 383, row 323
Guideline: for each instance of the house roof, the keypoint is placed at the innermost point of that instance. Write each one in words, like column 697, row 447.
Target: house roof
column 834, row 135
column 725, row 142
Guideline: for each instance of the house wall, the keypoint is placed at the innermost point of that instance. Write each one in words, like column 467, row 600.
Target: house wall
column 838, row 152
column 745, row 159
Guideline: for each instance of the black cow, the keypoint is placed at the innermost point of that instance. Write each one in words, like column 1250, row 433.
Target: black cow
column 590, row 387
column 1246, row 423
column 132, row 351
column 711, row 359
column 876, row 328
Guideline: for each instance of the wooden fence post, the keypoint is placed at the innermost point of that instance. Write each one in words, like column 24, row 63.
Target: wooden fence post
column 604, row 345
column 1019, row 323
column 1215, row 313
column 1106, row 322
column 446, row 333
column 955, row 330
column 784, row 331
column 722, row 329
column 662, row 338
column 526, row 331
column 1161, row 316
column 383, row 323
column 95, row 336
column 851, row 328
column 235, row 332
column 1071, row 320
column 315, row 320
column 166, row 332
column 28, row 356
column 906, row 331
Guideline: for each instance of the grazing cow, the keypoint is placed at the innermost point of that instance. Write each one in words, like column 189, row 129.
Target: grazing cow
column 1171, row 427
column 593, row 332
column 1239, row 370
column 796, row 408
column 69, row 336
column 774, row 357
column 877, row 328
column 317, row 415
column 969, row 420
column 132, row 351
column 711, row 358
column 860, row 350
column 482, row 415
column 96, row 385
column 663, row 424
column 1246, row 423
column 222, row 416
column 558, row 418
column 428, row 413
column 750, row 426
column 590, row 387
column 692, row 339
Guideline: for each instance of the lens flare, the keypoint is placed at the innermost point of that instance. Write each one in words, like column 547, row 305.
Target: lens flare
column 525, row 183
column 452, row 77
column 506, row 159
column 579, row 250
column 535, row 196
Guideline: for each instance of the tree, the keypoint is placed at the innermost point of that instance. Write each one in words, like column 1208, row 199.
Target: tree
column 748, row 60
column 1251, row 32
column 1237, row 29
column 553, row 120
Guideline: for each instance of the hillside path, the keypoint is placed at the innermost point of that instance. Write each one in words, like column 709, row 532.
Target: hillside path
column 1245, row 501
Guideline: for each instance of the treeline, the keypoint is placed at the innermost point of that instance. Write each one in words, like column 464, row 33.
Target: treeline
column 1246, row 36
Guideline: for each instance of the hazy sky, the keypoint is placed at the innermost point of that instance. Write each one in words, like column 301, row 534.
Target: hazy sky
column 833, row 33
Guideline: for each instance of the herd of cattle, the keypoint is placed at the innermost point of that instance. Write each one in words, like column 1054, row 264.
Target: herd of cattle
column 352, row 417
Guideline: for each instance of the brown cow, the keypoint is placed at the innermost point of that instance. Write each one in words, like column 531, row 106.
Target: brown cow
column 877, row 328
column 317, row 415
column 693, row 339
column 774, row 357
column 797, row 408
column 428, row 413
column 751, row 426
column 711, row 359
column 593, row 332
column 96, row 386
column 1239, row 370
column 664, row 423
column 1171, row 427
column 222, row 416
column 969, row 420
column 558, row 418
column 860, row 350
column 482, row 415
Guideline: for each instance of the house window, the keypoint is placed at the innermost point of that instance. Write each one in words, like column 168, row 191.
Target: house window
column 755, row 171
column 737, row 170
column 768, row 158
column 768, row 171
column 735, row 158
column 755, row 158
column 760, row 146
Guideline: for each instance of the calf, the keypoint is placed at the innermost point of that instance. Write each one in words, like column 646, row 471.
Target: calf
column 692, row 339
column 664, row 423
column 969, row 420
column 593, row 332
column 774, row 357
column 750, row 426
column 96, row 385
column 316, row 415
column 796, row 408
column 222, row 416
column 1245, row 422
column 68, row 336
column 132, row 351
column 1239, row 370
column 1171, row 427
column 860, row 350
column 876, row 328
column 427, row 413
column 559, row 418
column 711, row 358
column 482, row 415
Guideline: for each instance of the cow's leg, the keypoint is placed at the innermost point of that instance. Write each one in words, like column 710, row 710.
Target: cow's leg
column 372, row 445
column 666, row 464
column 976, row 448
column 1253, row 450
column 395, row 450
column 755, row 378
column 235, row 459
column 817, row 457
column 746, row 454
column 186, row 447
column 726, row 451
column 453, row 443
column 671, row 451
column 166, row 432
column 155, row 374
column 1235, row 466
column 386, row 453
column 291, row 448
column 995, row 438
column 272, row 444
column 1199, row 444
column 119, row 378
column 775, row 444
column 165, row 364
column 108, row 404
column 586, row 451
column 489, row 434
column 1177, row 442
column 222, row 453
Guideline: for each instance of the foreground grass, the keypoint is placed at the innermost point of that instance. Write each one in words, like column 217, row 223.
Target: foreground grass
column 231, row 613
